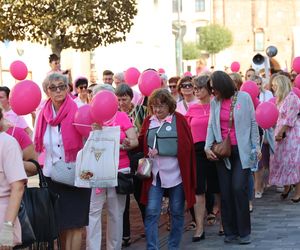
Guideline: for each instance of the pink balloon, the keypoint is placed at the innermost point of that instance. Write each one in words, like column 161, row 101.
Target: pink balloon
column 297, row 81
column 296, row 64
column 104, row 106
column 266, row 115
column 296, row 91
column 161, row 71
column 25, row 97
column 149, row 80
column 256, row 102
column 18, row 70
column 273, row 100
column 235, row 66
column 132, row 76
column 251, row 88
column 187, row 73
column 83, row 117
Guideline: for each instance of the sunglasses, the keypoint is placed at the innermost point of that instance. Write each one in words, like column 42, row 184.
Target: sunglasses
column 172, row 86
column 186, row 85
column 83, row 87
column 54, row 88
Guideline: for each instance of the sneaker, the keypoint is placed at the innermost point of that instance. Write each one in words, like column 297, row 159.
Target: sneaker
column 245, row 240
column 231, row 238
column 258, row 195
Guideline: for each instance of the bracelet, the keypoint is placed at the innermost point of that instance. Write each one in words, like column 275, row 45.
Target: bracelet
column 37, row 165
column 8, row 223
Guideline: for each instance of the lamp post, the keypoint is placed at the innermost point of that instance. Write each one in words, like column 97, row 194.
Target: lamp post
column 179, row 31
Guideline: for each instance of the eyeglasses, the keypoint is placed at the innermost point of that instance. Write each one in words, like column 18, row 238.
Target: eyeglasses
column 186, row 85
column 162, row 106
column 172, row 86
column 197, row 89
column 83, row 87
column 54, row 88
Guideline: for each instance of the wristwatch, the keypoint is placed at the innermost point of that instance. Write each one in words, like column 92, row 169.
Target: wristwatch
column 8, row 223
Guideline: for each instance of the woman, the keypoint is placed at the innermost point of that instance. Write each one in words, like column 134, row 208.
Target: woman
column 185, row 88
column 285, row 163
column 81, row 86
column 12, row 181
column 27, row 148
column 54, row 132
column 207, row 179
column 267, row 145
column 173, row 166
column 173, row 88
column 234, row 171
column 115, row 202
column 249, row 73
column 136, row 114
column 237, row 79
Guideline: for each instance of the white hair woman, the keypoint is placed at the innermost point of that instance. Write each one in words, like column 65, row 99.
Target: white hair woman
column 55, row 132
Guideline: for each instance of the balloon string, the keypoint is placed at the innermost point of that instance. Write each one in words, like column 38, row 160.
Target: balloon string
column 82, row 125
column 14, row 127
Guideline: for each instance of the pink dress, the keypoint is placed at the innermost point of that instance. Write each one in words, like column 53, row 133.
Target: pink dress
column 11, row 170
column 285, row 163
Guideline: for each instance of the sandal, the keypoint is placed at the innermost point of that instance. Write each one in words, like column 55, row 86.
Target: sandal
column 284, row 195
column 126, row 241
column 211, row 219
column 191, row 226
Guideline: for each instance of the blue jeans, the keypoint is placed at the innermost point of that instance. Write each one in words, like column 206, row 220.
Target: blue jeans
column 153, row 208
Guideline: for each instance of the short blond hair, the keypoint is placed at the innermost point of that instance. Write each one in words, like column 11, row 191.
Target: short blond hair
column 284, row 87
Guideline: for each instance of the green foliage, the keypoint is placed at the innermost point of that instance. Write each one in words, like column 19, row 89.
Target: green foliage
column 190, row 51
column 214, row 38
column 77, row 24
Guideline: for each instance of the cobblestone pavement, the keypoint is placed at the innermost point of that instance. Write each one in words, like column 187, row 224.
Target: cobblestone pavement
column 275, row 225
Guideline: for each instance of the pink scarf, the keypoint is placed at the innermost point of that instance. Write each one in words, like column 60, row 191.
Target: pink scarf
column 72, row 140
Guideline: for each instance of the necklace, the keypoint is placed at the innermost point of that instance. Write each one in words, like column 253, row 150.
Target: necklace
column 205, row 107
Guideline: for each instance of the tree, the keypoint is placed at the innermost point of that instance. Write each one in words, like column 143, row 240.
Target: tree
column 82, row 25
column 190, row 51
column 215, row 38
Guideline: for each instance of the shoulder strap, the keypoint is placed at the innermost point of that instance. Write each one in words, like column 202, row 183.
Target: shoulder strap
column 231, row 110
column 185, row 105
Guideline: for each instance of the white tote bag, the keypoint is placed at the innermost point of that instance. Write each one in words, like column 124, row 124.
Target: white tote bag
column 97, row 163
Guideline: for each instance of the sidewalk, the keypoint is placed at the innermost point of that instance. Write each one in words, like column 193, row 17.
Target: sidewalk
column 275, row 225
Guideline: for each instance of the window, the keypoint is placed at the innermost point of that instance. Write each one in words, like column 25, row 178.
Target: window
column 175, row 4
column 199, row 5
column 259, row 38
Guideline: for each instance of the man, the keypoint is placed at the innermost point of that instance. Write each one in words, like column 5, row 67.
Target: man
column 9, row 114
column 108, row 77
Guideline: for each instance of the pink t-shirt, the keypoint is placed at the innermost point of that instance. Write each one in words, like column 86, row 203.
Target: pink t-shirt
column 11, row 164
column 224, row 120
column 197, row 117
column 181, row 107
column 21, row 136
column 121, row 119
column 15, row 120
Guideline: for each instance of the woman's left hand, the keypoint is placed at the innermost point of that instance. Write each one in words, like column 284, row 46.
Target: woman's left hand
column 96, row 126
column 152, row 152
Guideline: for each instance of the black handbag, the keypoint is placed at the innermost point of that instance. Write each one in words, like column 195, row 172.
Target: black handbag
column 28, row 236
column 39, row 203
column 125, row 183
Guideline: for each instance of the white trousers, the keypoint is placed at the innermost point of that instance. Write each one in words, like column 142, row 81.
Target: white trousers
column 114, row 230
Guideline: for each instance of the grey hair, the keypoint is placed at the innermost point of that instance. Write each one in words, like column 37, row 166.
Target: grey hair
column 53, row 77
column 103, row 86
column 120, row 76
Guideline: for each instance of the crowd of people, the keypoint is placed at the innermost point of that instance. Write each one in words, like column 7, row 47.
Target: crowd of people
column 178, row 127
